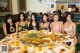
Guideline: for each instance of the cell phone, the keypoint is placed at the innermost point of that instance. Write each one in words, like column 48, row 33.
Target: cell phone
column 4, row 49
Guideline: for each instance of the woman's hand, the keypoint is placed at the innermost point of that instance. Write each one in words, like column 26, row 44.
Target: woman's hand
column 35, row 28
column 72, row 36
column 20, row 28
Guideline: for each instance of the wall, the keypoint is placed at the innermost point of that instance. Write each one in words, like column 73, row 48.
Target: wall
column 44, row 6
column 14, row 7
column 32, row 5
column 28, row 5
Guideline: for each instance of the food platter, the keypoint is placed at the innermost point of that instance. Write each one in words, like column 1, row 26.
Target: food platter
column 39, row 37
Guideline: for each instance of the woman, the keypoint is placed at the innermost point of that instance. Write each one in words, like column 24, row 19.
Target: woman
column 22, row 23
column 70, row 28
column 56, row 26
column 33, row 25
column 9, row 26
column 45, row 24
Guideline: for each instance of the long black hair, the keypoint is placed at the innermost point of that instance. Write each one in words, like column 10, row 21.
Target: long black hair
column 45, row 14
column 71, row 14
column 37, row 23
column 35, row 16
column 21, row 13
column 8, row 16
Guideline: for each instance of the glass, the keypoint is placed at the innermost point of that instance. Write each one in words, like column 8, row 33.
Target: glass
column 13, row 42
column 17, row 43
column 26, row 47
column 26, row 32
column 50, row 45
column 53, row 33
column 30, row 50
column 40, row 47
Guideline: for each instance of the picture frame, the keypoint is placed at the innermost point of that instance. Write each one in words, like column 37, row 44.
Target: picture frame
column 52, row 5
column 4, row 6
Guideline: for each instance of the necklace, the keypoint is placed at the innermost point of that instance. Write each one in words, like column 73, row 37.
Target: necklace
column 12, row 29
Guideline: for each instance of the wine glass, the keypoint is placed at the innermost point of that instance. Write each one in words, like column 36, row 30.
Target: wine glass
column 40, row 47
column 26, row 47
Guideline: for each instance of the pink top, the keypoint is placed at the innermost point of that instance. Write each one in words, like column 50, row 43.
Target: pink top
column 69, row 30
column 55, row 28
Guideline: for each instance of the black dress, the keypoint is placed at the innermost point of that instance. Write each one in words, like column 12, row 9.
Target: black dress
column 10, row 29
column 45, row 28
column 31, row 27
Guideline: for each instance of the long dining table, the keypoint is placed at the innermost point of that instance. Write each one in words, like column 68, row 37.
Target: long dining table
column 46, row 42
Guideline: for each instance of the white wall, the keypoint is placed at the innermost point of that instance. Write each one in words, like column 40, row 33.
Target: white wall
column 44, row 6
column 28, row 5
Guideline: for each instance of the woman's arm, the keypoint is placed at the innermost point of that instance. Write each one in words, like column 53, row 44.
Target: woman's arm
column 74, row 29
column 27, row 25
column 17, row 29
column 4, row 29
column 41, row 25
column 51, row 26
column 62, row 27
column 37, row 27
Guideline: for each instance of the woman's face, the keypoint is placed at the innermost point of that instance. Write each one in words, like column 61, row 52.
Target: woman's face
column 9, row 20
column 56, row 18
column 45, row 18
column 68, row 17
column 33, row 18
column 21, row 17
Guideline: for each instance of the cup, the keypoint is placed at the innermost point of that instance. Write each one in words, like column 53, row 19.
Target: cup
column 17, row 43
column 40, row 47
column 26, row 47
column 50, row 45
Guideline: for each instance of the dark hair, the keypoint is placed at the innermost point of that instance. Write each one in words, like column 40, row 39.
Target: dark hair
column 62, row 7
column 20, row 15
column 56, row 14
column 45, row 14
column 35, row 16
column 8, row 16
column 71, row 14
column 40, row 13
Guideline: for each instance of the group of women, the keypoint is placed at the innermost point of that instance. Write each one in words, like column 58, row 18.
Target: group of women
column 69, row 27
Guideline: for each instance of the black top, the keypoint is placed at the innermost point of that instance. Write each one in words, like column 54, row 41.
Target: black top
column 45, row 28
column 31, row 27
column 10, row 29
